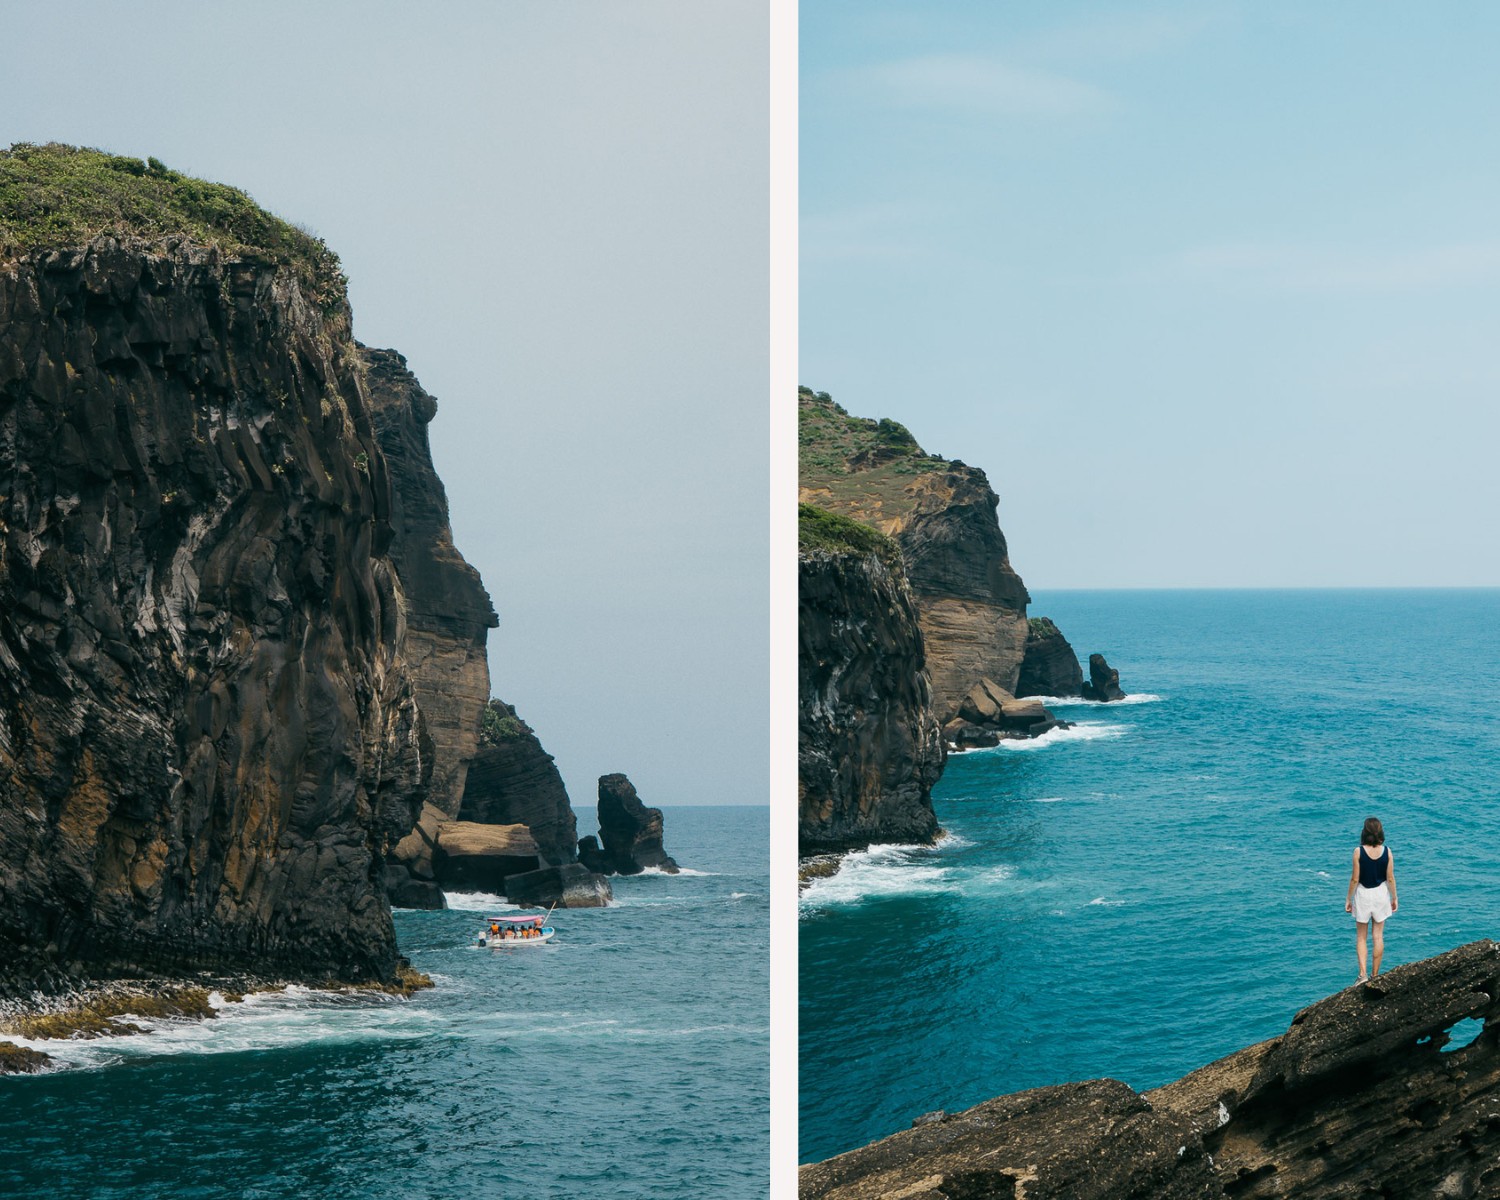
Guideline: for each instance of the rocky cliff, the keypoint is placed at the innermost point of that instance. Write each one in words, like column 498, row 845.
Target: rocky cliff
column 869, row 742
column 209, row 728
column 971, row 605
column 448, row 612
column 1369, row 1093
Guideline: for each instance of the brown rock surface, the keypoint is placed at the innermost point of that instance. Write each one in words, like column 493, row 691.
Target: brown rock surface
column 477, row 858
column 1358, row 1099
column 448, row 610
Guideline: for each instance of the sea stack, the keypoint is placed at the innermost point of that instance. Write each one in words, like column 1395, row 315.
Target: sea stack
column 631, row 832
column 1104, row 681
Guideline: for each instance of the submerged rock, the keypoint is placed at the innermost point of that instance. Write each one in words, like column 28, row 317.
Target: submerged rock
column 1050, row 667
column 572, row 885
column 407, row 892
column 1104, row 681
column 1361, row 1097
column 630, row 831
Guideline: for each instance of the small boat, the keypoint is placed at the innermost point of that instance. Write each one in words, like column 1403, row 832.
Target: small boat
column 528, row 930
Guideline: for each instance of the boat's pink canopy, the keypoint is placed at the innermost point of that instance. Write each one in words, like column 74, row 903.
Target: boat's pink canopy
column 518, row 920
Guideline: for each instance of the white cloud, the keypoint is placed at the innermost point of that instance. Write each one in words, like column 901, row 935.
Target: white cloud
column 1314, row 268
column 973, row 84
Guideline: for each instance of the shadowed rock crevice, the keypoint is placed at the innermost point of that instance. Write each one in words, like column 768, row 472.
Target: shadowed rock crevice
column 1360, row 1097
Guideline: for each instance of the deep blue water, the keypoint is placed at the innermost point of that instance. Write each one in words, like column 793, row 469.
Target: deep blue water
column 627, row 1058
column 1164, row 884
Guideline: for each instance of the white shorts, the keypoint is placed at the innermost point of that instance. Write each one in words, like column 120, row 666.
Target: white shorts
column 1372, row 904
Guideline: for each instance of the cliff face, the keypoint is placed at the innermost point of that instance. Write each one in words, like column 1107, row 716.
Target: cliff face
column 208, row 726
column 970, row 603
column 1361, row 1097
column 448, row 612
column 513, row 781
column 869, row 743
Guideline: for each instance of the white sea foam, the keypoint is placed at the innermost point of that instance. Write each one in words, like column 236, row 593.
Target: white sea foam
column 1084, row 731
column 892, row 870
column 738, row 895
column 951, row 841
column 1079, row 701
column 1047, row 800
column 679, row 871
column 299, row 1016
column 1104, row 902
column 476, row 901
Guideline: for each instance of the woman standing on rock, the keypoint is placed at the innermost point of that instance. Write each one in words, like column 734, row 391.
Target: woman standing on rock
column 1369, row 900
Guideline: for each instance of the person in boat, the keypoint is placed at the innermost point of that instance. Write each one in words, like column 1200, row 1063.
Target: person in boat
column 1372, row 892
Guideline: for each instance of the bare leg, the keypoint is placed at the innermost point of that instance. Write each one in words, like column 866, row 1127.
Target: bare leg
column 1379, row 946
column 1359, row 945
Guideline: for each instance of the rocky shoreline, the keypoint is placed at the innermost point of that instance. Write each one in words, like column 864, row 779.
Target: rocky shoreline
column 1367, row 1094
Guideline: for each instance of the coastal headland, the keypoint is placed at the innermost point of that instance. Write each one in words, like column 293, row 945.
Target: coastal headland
column 242, row 663
column 914, row 635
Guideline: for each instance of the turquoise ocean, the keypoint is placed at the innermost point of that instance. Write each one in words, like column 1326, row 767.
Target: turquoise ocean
column 1164, row 883
column 626, row 1058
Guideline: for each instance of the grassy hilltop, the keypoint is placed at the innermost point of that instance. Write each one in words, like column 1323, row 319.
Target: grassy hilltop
column 55, row 195
column 855, row 466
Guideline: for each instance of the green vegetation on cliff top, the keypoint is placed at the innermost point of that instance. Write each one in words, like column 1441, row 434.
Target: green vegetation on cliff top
column 855, row 465
column 497, row 723
column 820, row 529
column 54, row 196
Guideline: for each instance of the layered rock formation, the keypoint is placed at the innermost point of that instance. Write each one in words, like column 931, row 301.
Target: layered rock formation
column 971, row 604
column 1049, row 668
column 1363, row 1096
column 572, row 885
column 868, row 742
column 630, row 831
column 448, row 611
column 209, row 728
column 512, row 780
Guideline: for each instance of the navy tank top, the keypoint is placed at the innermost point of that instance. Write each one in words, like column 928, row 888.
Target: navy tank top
column 1372, row 870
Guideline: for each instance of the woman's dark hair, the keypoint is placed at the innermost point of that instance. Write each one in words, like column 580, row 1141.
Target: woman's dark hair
column 1373, row 834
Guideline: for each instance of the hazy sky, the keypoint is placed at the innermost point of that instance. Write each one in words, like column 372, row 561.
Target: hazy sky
column 1211, row 290
column 558, row 212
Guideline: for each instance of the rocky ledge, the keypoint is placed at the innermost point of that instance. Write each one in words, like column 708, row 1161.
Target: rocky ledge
column 1367, row 1096
column 989, row 713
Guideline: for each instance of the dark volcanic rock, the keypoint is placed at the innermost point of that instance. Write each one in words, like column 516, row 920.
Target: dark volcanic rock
column 208, row 724
column 572, row 885
column 965, row 735
column 1104, row 682
column 513, row 781
column 591, row 855
column 407, row 892
column 477, row 858
column 630, row 831
column 448, row 612
column 1050, row 667
column 1359, row 1098
column 869, row 747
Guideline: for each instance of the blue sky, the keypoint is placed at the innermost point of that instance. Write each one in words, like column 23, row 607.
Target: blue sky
column 1210, row 290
